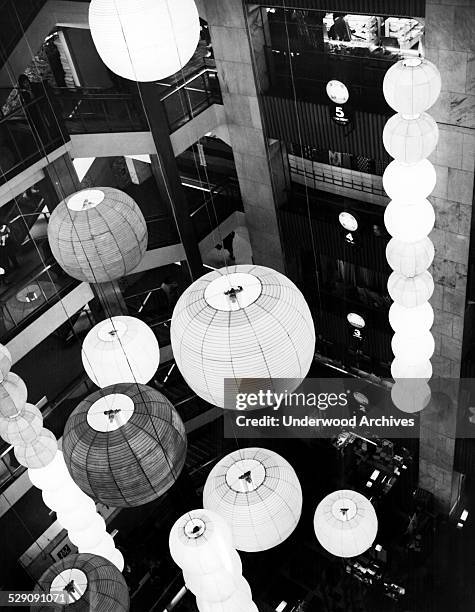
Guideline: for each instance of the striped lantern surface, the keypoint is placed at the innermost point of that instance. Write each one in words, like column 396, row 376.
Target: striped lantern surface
column 258, row 493
column 124, row 445
column 5, row 361
column 97, row 235
column 242, row 322
column 39, row 453
column 86, row 582
column 13, row 395
column 22, row 428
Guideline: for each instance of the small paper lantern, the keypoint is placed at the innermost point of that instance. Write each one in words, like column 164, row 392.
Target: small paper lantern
column 90, row 582
column 125, row 35
column 116, row 558
column 416, row 181
column 408, row 220
column 119, row 350
column 410, row 140
column 77, row 518
column 345, row 523
column 411, row 320
column 258, row 493
column 5, row 361
column 214, row 586
column 410, row 292
column 401, row 369
column 243, row 322
column 13, row 395
column 23, row 428
column 410, row 395
column 52, row 476
column 65, row 499
column 412, row 85
column 97, row 235
column 410, row 258
column 124, row 445
column 240, row 601
column 413, row 347
column 105, row 548
column 90, row 536
column 38, row 453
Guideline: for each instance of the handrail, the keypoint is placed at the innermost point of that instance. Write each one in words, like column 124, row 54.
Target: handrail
column 189, row 80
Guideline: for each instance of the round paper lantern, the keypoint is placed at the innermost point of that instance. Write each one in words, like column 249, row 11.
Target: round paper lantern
column 125, row 35
column 90, row 536
column 97, row 235
column 410, row 395
column 13, row 395
column 201, row 542
column 345, row 523
column 124, row 445
column 214, row 586
column 117, row 559
column 23, row 428
column 258, row 493
column 408, row 220
column 52, row 476
column 5, row 361
column 105, row 548
column 246, row 322
column 410, row 140
column 402, row 369
column 120, row 349
column 410, row 258
column 411, row 320
column 410, row 292
column 65, row 499
column 90, row 582
column 39, row 452
column 412, row 85
column 240, row 601
column 77, row 518
column 413, row 347
column 416, row 181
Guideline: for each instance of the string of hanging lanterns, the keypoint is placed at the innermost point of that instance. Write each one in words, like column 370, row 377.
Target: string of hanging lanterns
column 201, row 544
column 411, row 86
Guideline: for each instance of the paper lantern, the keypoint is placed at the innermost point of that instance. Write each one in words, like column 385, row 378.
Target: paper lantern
column 120, row 349
column 97, row 235
column 65, row 499
column 52, row 476
column 410, row 292
column 410, row 140
column 402, row 369
column 412, row 85
column 124, row 445
column 104, row 549
column 23, row 428
column 416, row 181
column 90, row 536
column 413, row 347
column 246, row 322
column 91, row 583
column 410, row 258
column 408, row 220
column 13, row 395
column 39, row 452
column 214, row 586
column 345, row 523
column 77, row 518
column 117, row 559
column 238, row 602
column 5, row 361
column 125, row 35
column 410, row 395
column 258, row 493
column 411, row 320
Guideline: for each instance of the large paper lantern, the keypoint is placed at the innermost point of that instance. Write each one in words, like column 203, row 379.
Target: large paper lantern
column 410, row 140
column 411, row 320
column 89, row 583
column 22, row 428
column 144, row 40
column 13, row 395
column 38, row 453
column 345, row 523
column 5, row 361
column 414, row 181
column 410, row 292
column 243, row 322
column 97, row 235
column 124, row 445
column 409, row 221
column 410, row 258
column 258, row 493
column 412, row 85
column 120, row 349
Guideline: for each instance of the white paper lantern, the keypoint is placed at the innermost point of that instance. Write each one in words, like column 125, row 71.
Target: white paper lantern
column 345, row 523
column 90, row 536
column 38, row 453
column 401, row 369
column 412, row 85
column 238, row 602
column 416, row 181
column 410, row 258
column 410, row 140
column 13, row 395
column 65, row 499
column 105, row 548
column 410, row 395
column 258, row 493
column 408, row 220
column 215, row 586
column 144, row 40
column 246, row 322
column 117, row 558
column 411, row 320
column 5, row 361
column 120, row 349
column 77, row 518
column 413, row 347
column 52, row 476
column 23, row 428
column 410, row 292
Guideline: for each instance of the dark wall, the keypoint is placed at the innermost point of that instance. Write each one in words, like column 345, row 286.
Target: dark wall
column 89, row 66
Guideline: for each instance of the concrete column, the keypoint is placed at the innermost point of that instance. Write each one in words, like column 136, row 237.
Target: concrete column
column 63, row 176
column 449, row 45
column 242, row 77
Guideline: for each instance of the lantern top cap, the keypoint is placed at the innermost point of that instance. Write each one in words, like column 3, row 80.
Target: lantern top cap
column 411, row 62
column 85, row 199
column 194, row 528
column 110, row 412
column 245, row 475
column 73, row 582
column 344, row 510
column 111, row 330
column 232, row 292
